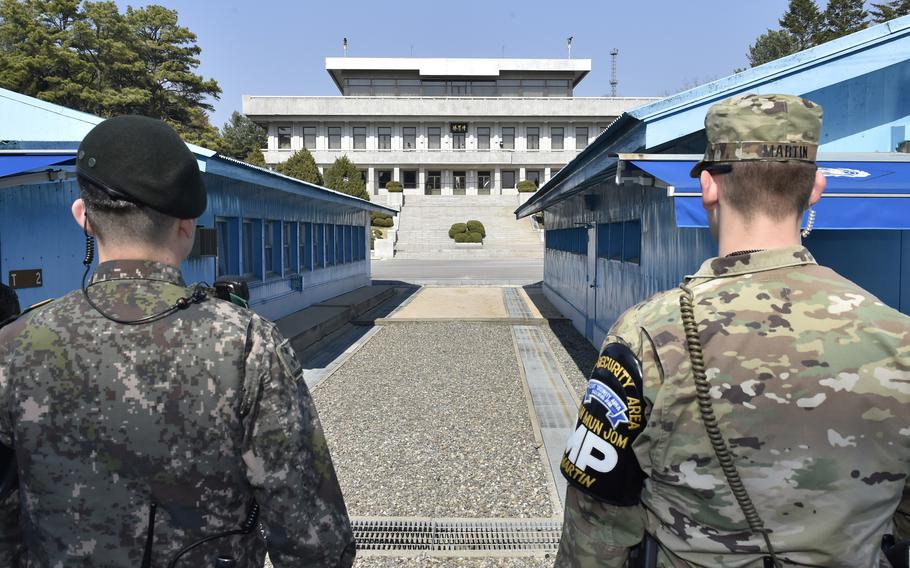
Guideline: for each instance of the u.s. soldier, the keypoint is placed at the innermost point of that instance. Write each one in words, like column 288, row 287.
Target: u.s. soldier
column 806, row 385
column 147, row 417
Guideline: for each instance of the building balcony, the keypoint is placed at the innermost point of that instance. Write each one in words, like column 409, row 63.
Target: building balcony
column 267, row 109
column 420, row 158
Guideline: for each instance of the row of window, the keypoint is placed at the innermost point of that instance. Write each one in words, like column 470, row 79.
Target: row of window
column 484, row 178
column 260, row 249
column 620, row 241
column 430, row 88
column 483, row 138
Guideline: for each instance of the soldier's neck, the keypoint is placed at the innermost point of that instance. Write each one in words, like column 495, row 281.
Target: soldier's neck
column 760, row 233
column 161, row 255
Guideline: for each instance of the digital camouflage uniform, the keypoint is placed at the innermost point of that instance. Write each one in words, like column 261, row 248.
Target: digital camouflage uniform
column 810, row 383
column 200, row 412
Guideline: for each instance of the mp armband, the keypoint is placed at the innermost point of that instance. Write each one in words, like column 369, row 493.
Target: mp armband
column 599, row 459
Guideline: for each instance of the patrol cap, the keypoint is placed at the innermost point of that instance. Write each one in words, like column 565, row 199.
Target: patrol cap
column 143, row 161
column 763, row 128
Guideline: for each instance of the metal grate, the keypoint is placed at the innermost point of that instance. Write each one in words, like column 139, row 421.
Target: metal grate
column 494, row 535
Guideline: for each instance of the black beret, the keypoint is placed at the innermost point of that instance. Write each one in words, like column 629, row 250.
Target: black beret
column 144, row 161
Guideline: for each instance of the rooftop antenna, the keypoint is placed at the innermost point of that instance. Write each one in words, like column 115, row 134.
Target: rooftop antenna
column 345, row 46
column 570, row 46
column 613, row 82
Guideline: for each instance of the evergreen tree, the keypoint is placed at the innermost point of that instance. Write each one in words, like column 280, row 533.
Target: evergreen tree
column 772, row 45
column 91, row 57
column 303, row 167
column 843, row 17
column 804, row 22
column 344, row 176
column 256, row 158
column 889, row 10
column 240, row 136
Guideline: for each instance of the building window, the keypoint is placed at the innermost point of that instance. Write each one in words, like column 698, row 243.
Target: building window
column 383, row 177
column 349, row 244
column 334, row 138
column 459, row 180
column 319, row 245
column 339, row 245
column 329, row 245
column 284, row 137
column 409, row 87
column 409, row 137
column 533, row 138
column 533, row 175
column 614, row 249
column 458, row 88
column 305, row 242
column 358, row 87
column 287, row 249
column 508, row 179
column 558, row 88
column 385, row 137
column 483, row 138
column 434, row 88
column 581, row 137
column 434, row 183
column 309, row 137
column 409, row 179
column 248, row 247
column 557, row 138
column 533, row 87
column 508, row 138
column 360, row 137
column 268, row 246
column 484, row 183
column 434, row 134
column 509, row 87
column 383, row 87
column 483, row 88
column 573, row 241
column 228, row 259
column 458, row 140
column 631, row 241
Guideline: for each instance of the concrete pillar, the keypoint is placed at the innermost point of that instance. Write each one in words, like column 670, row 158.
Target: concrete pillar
column 522, row 172
column 497, row 182
column 396, row 173
column 546, row 175
column 421, row 181
column 371, row 181
column 447, row 182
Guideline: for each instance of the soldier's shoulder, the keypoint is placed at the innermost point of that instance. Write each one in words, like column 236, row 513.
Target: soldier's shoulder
column 39, row 313
column 660, row 307
column 835, row 295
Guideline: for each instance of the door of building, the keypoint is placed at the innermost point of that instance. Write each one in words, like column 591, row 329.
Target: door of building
column 592, row 283
column 459, row 182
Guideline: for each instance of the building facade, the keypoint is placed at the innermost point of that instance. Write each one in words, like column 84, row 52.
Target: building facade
column 442, row 126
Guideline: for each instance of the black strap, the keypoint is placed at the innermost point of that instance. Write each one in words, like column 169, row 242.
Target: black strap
column 150, row 537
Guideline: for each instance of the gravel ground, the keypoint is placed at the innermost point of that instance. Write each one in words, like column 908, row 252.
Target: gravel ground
column 575, row 354
column 427, row 562
column 430, row 420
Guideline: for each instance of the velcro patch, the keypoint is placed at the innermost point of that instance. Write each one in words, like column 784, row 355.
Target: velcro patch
column 599, row 459
column 289, row 361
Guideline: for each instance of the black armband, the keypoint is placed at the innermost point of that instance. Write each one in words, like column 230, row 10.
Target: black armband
column 599, row 459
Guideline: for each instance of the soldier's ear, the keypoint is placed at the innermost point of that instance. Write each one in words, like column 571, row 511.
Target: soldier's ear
column 709, row 190
column 821, row 182
column 79, row 215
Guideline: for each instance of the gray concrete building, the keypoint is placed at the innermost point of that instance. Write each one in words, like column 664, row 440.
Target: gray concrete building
column 442, row 126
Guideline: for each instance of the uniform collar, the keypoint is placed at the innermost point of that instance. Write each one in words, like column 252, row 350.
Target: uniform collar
column 137, row 269
column 760, row 261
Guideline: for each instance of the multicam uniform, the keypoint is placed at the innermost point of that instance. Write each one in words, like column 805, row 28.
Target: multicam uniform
column 810, row 381
column 199, row 412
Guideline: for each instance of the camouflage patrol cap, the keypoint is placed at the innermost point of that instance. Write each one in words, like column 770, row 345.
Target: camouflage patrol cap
column 776, row 128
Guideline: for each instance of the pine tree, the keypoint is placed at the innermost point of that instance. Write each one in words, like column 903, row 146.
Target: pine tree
column 803, row 20
column 889, row 10
column 772, row 45
column 240, row 136
column 256, row 158
column 302, row 166
column 843, row 17
column 344, row 176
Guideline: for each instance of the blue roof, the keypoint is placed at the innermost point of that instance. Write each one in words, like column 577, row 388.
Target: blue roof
column 656, row 126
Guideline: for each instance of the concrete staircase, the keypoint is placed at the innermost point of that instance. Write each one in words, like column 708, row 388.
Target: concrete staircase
column 425, row 220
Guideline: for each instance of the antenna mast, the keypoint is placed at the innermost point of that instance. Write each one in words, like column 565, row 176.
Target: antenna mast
column 613, row 82
column 569, row 42
column 345, row 47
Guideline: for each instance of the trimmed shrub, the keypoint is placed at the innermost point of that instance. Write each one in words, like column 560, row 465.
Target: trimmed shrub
column 461, row 237
column 376, row 234
column 475, row 237
column 456, row 229
column 381, row 220
column 475, row 226
column 393, row 186
column 526, row 186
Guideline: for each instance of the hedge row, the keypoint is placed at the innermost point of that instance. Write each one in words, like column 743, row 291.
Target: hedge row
column 468, row 237
column 381, row 219
column 471, row 232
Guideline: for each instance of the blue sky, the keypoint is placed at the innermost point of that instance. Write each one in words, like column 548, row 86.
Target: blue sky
column 278, row 47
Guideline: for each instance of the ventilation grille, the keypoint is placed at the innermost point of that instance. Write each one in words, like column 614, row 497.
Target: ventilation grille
column 501, row 535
